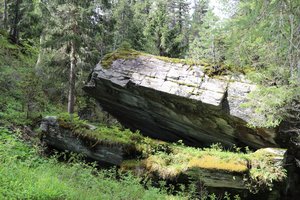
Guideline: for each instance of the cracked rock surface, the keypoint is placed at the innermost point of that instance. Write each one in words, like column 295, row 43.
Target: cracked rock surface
column 172, row 101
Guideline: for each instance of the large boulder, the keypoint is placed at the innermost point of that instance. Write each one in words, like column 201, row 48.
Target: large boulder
column 173, row 101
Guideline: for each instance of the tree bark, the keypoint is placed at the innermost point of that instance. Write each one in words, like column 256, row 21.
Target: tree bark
column 14, row 32
column 291, row 19
column 72, row 77
column 5, row 15
column 298, row 69
column 41, row 51
column 159, row 45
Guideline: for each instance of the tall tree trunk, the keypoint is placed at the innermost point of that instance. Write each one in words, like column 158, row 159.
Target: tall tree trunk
column 159, row 45
column 291, row 18
column 5, row 15
column 298, row 67
column 180, row 17
column 213, row 48
column 41, row 51
column 72, row 77
column 14, row 32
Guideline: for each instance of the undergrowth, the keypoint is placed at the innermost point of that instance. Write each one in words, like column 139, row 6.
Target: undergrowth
column 26, row 175
column 22, row 100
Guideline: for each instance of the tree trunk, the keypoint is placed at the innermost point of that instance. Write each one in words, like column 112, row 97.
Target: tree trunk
column 14, row 32
column 180, row 17
column 213, row 49
column 71, row 97
column 291, row 18
column 41, row 52
column 298, row 67
column 5, row 15
column 159, row 45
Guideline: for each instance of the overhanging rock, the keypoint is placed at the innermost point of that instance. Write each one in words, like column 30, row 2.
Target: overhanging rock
column 173, row 101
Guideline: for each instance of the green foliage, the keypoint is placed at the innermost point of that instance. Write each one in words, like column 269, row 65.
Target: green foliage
column 270, row 102
column 21, row 95
column 264, row 173
column 25, row 175
column 124, row 29
column 267, row 42
column 207, row 41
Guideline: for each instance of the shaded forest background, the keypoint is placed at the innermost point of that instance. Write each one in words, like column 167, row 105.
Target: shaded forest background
column 48, row 48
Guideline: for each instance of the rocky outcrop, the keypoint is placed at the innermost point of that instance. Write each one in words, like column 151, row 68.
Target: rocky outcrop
column 173, row 101
column 158, row 160
column 63, row 139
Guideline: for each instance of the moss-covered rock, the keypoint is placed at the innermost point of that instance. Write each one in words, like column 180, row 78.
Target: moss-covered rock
column 166, row 161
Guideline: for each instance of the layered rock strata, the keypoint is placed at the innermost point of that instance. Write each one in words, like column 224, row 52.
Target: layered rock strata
column 63, row 139
column 173, row 101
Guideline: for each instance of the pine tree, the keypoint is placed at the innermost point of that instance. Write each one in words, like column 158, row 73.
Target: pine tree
column 69, row 31
column 4, row 6
column 264, row 35
column 157, row 29
column 15, row 17
column 21, row 20
column 178, row 40
column 141, row 11
column 123, row 28
column 207, row 39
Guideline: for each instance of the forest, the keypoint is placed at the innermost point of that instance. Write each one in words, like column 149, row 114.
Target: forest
column 149, row 99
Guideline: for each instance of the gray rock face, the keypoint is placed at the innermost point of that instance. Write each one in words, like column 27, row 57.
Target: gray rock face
column 63, row 139
column 177, row 102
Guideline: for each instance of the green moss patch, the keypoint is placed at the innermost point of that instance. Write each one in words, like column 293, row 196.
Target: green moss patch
column 121, row 53
column 184, row 158
column 257, row 168
column 109, row 135
column 112, row 135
